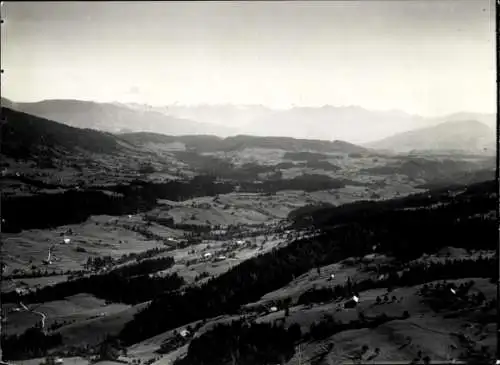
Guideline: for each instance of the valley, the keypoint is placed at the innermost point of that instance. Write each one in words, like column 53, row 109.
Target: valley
column 154, row 249
column 249, row 183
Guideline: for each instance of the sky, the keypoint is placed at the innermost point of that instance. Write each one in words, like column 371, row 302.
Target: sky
column 426, row 57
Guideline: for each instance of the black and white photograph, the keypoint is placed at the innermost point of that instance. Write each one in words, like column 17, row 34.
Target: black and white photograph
column 249, row 182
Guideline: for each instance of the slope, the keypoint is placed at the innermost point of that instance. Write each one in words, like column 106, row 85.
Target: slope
column 200, row 143
column 468, row 135
column 114, row 118
column 210, row 143
column 350, row 230
column 25, row 136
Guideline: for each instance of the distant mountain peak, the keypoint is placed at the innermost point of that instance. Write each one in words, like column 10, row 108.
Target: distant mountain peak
column 114, row 117
column 457, row 135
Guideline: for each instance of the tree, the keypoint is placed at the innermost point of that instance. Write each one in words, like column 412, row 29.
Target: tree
column 361, row 316
column 109, row 350
column 295, row 332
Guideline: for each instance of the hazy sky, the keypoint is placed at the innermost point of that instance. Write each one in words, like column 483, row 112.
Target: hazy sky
column 425, row 57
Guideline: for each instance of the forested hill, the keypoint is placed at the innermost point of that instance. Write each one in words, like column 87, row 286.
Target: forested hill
column 405, row 227
column 208, row 143
column 25, row 136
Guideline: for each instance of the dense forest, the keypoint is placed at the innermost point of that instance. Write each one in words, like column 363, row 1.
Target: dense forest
column 31, row 344
column 145, row 267
column 129, row 284
column 305, row 182
column 75, row 206
column 244, row 344
column 407, row 233
column 72, row 206
column 470, row 196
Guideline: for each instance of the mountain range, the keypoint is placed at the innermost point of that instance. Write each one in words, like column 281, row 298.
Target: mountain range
column 114, row 118
column 26, row 136
column 391, row 130
column 349, row 123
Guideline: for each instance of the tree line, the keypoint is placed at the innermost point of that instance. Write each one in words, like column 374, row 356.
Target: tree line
column 130, row 284
column 257, row 276
column 450, row 269
column 31, row 344
column 75, row 206
column 244, row 344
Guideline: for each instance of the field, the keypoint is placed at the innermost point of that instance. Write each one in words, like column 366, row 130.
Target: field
column 425, row 332
column 173, row 220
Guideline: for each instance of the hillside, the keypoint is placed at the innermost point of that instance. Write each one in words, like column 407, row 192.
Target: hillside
column 114, row 118
column 462, row 215
column 290, row 144
column 25, row 136
column 6, row 103
column 489, row 119
column 212, row 143
column 200, row 143
column 326, row 122
column 275, row 215
column 465, row 136
column 430, row 169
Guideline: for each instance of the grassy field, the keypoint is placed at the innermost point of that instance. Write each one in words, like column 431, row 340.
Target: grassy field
column 75, row 311
column 96, row 237
column 431, row 333
column 83, row 316
column 255, row 208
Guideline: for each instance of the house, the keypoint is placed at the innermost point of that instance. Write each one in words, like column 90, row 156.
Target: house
column 351, row 303
column 21, row 291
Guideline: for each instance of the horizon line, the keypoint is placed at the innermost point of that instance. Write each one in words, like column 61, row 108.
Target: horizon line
column 281, row 108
